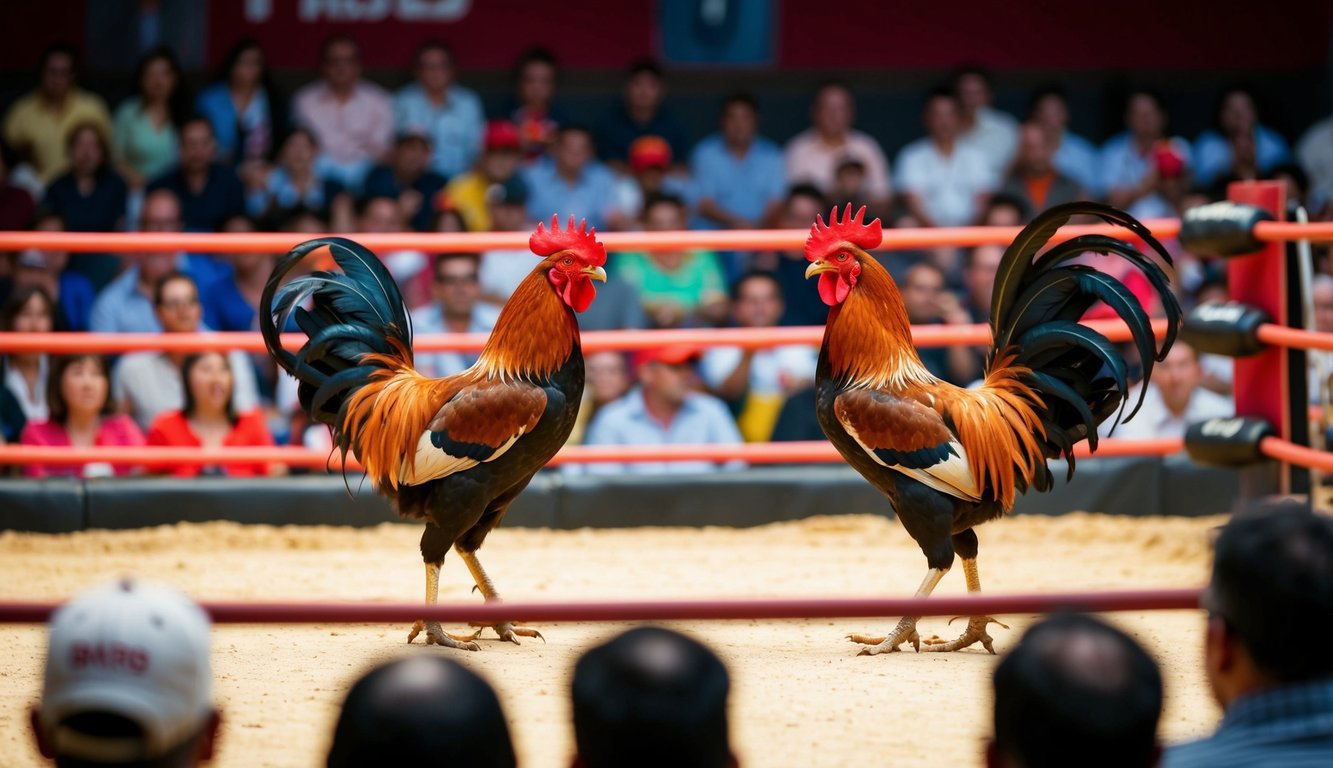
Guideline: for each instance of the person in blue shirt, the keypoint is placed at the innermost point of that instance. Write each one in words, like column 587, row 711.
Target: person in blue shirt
column 1075, row 156
column 1270, row 614
column 739, row 175
column 448, row 113
column 1237, row 119
column 1128, row 170
column 571, row 182
column 1076, row 691
column 640, row 113
column 408, row 178
column 209, row 192
column 244, row 109
column 665, row 409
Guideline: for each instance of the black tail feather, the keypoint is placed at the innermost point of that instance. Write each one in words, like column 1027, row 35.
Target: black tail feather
column 1035, row 312
column 351, row 313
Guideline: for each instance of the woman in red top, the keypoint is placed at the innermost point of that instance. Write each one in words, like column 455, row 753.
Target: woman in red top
column 78, row 398
column 209, row 421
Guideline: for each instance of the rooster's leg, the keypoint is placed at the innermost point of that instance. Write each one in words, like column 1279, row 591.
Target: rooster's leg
column 905, row 632
column 434, row 634
column 506, row 630
column 976, row 625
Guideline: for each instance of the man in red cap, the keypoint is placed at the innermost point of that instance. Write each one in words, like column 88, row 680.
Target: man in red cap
column 498, row 164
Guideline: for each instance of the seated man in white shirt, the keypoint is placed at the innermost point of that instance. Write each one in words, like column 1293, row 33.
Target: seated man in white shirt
column 758, row 379
column 457, row 308
column 944, row 181
column 1175, row 399
column 148, row 383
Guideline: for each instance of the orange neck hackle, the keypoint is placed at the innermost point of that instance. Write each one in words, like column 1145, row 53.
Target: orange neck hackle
column 869, row 337
column 535, row 333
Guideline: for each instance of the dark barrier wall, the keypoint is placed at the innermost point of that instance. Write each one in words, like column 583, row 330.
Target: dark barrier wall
column 1173, row 486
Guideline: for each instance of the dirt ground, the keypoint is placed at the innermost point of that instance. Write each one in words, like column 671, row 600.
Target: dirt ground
column 801, row 695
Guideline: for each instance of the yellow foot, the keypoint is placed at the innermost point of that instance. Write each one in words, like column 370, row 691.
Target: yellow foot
column 437, row 636
column 975, row 632
column 510, row 633
column 905, row 632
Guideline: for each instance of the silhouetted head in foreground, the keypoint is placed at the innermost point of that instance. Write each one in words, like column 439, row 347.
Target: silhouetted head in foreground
column 421, row 711
column 1076, row 691
column 651, row 697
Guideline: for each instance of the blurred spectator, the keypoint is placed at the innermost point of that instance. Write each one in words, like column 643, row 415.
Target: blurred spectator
column 664, row 409
column 1272, row 581
column 990, row 131
column 245, row 111
column 125, row 305
column 28, row 310
column 408, row 178
column 739, row 174
column 12, row 421
column 148, row 383
column 38, row 124
column 82, row 415
column 943, row 182
column 1075, row 156
column 1128, row 160
column 425, row 710
column 757, row 381
column 979, row 267
column 608, row 380
column 208, row 418
column 929, row 302
column 1076, row 691
column 232, row 304
column 72, row 292
column 1315, row 152
column 470, row 192
column 502, row 269
column 90, row 196
column 803, row 203
column 456, row 308
column 1320, row 361
column 1171, row 186
column 849, row 186
column 572, row 182
column 535, row 112
column 651, row 697
column 677, row 288
column 128, row 681
column 209, row 192
column 1175, row 398
column 1216, row 150
column 351, row 118
column 441, row 109
column 146, row 139
column 295, row 183
column 1035, row 179
column 17, row 205
column 408, row 266
column 813, row 156
column 640, row 112
column 649, row 174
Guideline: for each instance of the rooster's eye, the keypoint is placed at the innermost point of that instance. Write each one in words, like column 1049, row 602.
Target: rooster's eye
column 842, row 256
column 567, row 261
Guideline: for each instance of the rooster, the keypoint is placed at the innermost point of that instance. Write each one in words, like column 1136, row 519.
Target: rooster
column 948, row 458
column 452, row 452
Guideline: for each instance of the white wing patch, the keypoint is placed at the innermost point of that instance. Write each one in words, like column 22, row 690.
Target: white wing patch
column 952, row 476
column 434, row 463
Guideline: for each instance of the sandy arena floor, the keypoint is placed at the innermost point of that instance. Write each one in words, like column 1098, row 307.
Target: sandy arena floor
column 801, row 695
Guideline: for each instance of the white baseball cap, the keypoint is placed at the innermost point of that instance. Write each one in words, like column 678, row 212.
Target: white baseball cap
column 137, row 650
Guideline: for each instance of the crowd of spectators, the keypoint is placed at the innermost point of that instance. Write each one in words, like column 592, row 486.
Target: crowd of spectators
column 345, row 154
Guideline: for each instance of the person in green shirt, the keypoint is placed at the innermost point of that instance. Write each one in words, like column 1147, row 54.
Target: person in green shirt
column 677, row 288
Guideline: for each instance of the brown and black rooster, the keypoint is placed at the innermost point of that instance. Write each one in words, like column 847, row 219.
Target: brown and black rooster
column 452, row 452
column 948, row 458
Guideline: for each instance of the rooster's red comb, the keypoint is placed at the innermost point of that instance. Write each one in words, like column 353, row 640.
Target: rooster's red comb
column 583, row 241
column 826, row 238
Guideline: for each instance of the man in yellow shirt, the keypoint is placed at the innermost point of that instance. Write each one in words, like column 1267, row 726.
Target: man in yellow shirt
column 39, row 123
column 498, row 163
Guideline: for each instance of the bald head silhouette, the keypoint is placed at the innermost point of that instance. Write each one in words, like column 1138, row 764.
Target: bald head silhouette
column 651, row 697
column 1076, row 691
column 422, row 710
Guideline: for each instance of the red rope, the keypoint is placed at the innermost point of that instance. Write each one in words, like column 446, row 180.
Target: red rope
column 1279, row 336
column 1289, row 453
column 673, row 610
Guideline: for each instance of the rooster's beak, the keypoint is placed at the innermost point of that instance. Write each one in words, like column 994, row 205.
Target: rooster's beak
column 595, row 273
column 818, row 266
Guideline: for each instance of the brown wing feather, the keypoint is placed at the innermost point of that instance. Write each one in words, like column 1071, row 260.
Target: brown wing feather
column 491, row 412
column 882, row 420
